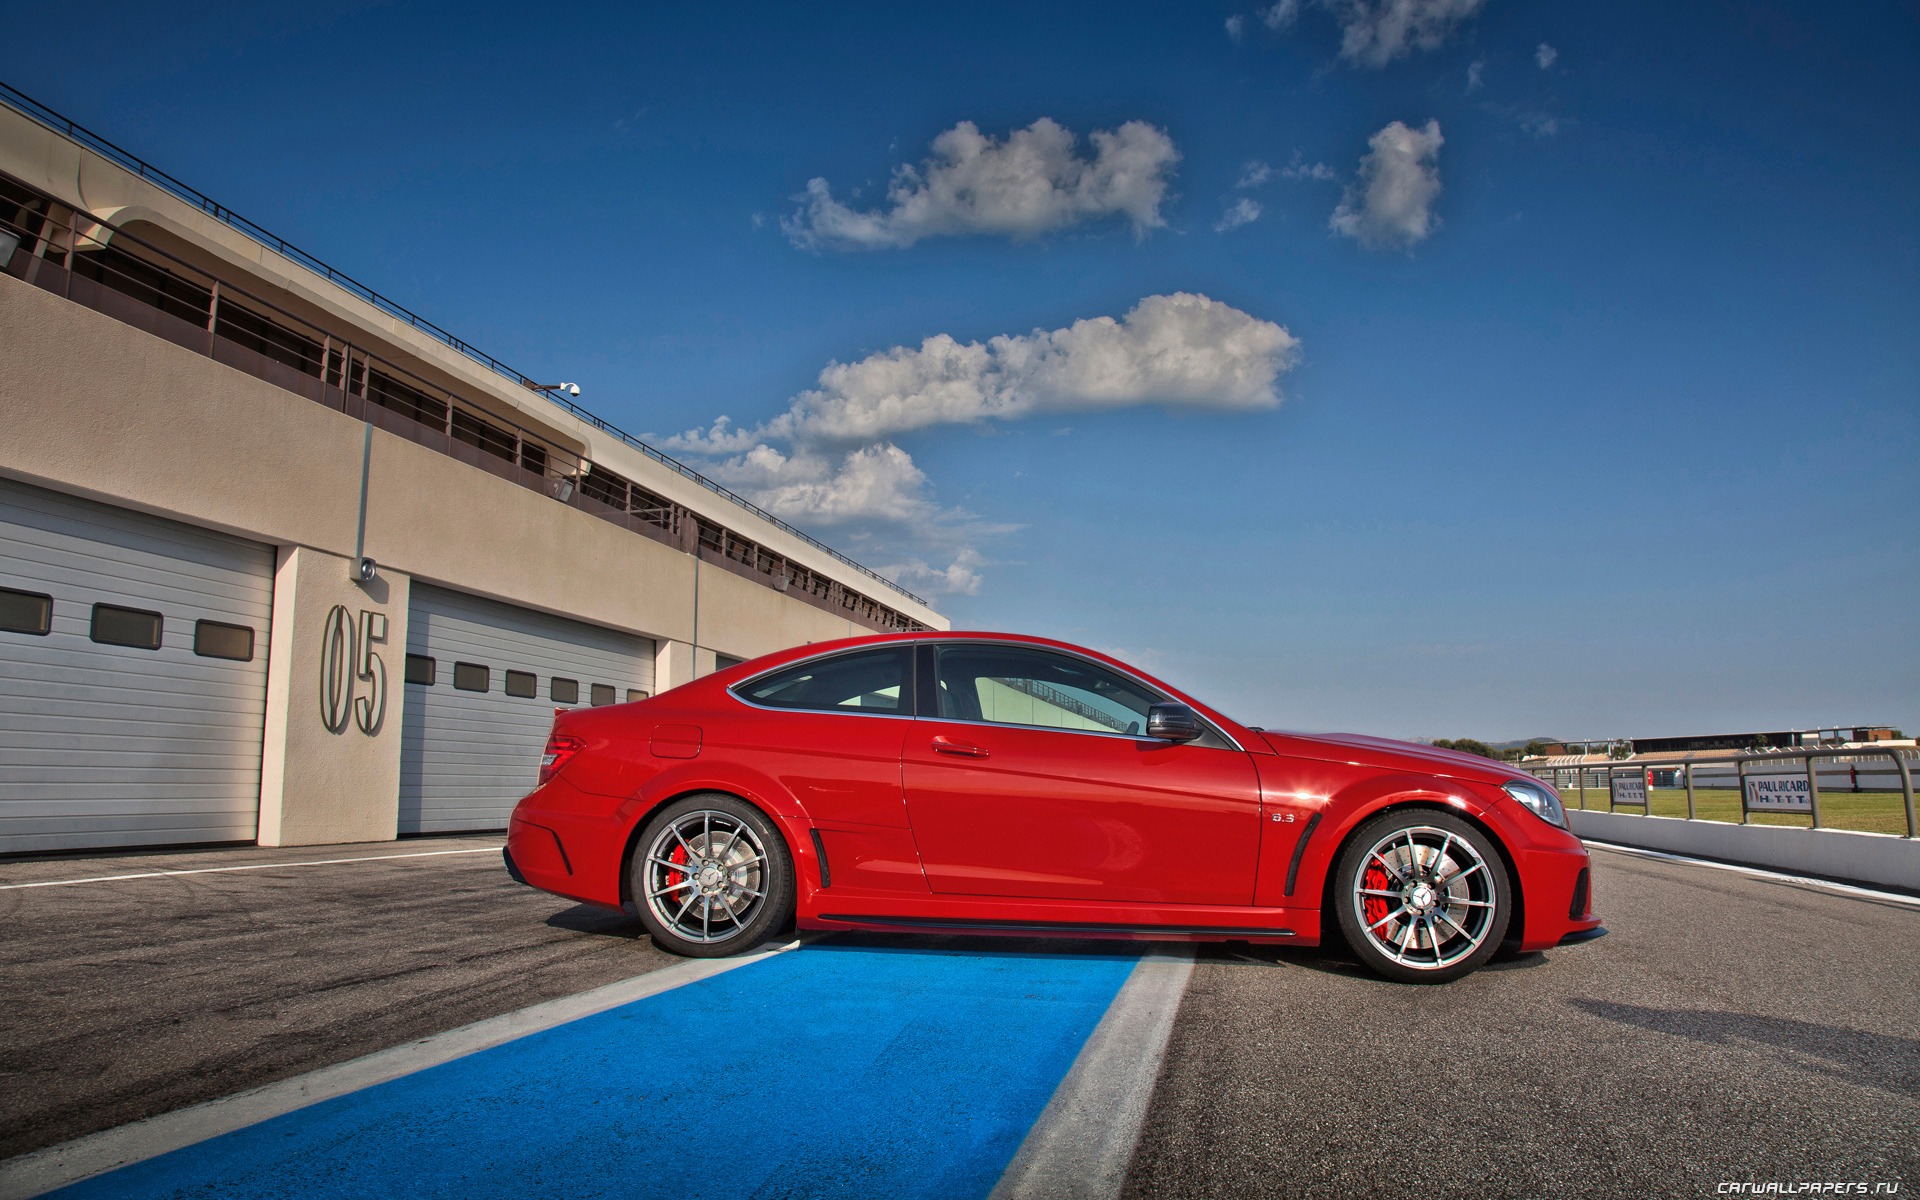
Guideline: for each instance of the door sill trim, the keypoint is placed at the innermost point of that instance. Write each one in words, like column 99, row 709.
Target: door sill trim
column 961, row 925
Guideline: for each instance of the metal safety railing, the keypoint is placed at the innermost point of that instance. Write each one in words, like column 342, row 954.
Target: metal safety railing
column 27, row 106
column 1742, row 772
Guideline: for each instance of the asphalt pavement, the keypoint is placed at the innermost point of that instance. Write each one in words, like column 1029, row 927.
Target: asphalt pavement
column 131, row 997
column 1730, row 1030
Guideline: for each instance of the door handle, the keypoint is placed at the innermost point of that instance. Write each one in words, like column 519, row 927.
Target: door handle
column 946, row 745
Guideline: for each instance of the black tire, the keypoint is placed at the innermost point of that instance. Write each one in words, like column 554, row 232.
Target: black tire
column 1421, row 896
column 711, row 877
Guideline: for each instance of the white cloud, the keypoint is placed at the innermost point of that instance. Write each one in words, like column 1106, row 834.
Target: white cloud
column 1280, row 14
column 1545, row 55
column 1374, row 33
column 961, row 577
column 1254, row 174
column 1030, row 183
column 879, row 482
column 1390, row 204
column 1236, row 27
column 1539, row 124
column 1298, row 168
column 1179, row 351
column 831, row 457
column 1475, row 70
column 1244, row 212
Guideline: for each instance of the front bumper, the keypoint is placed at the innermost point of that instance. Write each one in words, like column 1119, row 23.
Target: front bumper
column 1556, row 878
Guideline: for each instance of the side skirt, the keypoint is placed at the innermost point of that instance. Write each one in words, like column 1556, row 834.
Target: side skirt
column 1084, row 928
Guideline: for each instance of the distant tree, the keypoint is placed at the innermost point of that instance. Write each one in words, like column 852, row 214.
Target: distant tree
column 1468, row 745
column 1539, row 747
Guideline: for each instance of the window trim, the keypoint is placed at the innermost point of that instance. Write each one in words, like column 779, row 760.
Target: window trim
column 910, row 687
column 41, row 596
column 920, row 647
column 253, row 638
column 93, row 626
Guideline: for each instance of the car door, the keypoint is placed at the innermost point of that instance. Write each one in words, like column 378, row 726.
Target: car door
column 1026, row 774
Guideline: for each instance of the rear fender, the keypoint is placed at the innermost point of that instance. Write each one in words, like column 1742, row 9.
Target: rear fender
column 757, row 788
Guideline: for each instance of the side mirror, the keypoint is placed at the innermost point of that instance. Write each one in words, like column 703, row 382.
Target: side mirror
column 1173, row 722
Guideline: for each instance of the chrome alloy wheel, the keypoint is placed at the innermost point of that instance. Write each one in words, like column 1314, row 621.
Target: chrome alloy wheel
column 706, row 876
column 1424, row 898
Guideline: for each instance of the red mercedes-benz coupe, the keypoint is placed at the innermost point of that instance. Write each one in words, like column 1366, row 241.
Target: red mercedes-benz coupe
column 993, row 783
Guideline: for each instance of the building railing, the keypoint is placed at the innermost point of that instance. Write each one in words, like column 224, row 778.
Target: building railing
column 1741, row 773
column 94, row 263
column 31, row 108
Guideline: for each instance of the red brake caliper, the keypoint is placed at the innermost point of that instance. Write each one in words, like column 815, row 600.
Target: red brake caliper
column 675, row 878
column 1375, row 880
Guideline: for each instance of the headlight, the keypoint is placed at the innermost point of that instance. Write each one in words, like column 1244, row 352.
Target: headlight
column 1540, row 798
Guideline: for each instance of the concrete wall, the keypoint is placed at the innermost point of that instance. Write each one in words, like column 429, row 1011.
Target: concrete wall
column 97, row 408
column 321, row 784
column 1875, row 858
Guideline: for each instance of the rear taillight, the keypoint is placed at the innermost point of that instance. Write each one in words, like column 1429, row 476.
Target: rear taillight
column 560, row 748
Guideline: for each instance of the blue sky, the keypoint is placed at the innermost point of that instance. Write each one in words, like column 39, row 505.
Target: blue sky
column 1614, row 433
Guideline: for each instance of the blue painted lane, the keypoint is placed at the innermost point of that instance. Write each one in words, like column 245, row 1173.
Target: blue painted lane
column 829, row 1071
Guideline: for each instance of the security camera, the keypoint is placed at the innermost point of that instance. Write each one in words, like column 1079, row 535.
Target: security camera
column 573, row 389
column 368, row 571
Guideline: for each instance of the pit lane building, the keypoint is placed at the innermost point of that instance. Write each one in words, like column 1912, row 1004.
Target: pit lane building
column 282, row 561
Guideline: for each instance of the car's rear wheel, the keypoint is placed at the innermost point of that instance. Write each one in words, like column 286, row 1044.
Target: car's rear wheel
column 1422, row 896
column 711, row 876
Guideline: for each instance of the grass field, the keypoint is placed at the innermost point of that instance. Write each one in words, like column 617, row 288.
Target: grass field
column 1872, row 812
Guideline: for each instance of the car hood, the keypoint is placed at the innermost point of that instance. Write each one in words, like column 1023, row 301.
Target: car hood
column 1386, row 752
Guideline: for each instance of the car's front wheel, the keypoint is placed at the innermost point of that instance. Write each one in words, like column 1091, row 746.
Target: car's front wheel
column 711, row 876
column 1422, row 896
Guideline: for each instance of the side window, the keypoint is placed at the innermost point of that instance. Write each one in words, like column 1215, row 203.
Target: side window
column 217, row 639
column 524, row 684
column 116, row 626
column 602, row 693
column 870, row 681
column 634, row 694
column 471, row 677
column 25, row 612
column 420, row 669
column 564, row 691
column 1012, row 685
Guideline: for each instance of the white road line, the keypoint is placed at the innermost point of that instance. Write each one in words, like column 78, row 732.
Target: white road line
column 1080, row 1147
column 321, row 862
column 44, row 1170
column 1758, row 873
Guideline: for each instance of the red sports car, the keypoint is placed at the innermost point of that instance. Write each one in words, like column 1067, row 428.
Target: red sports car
column 993, row 783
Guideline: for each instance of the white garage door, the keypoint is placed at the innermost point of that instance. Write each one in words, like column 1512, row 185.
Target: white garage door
column 483, row 679
column 133, row 677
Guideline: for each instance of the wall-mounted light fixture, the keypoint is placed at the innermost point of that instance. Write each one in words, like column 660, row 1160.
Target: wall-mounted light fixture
column 367, row 571
column 563, row 488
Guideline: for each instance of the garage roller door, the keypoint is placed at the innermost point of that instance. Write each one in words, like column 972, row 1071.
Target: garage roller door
column 483, row 679
column 133, row 677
